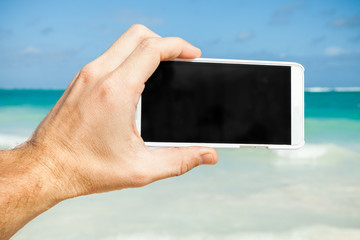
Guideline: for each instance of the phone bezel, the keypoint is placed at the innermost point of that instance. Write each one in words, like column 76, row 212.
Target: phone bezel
column 297, row 108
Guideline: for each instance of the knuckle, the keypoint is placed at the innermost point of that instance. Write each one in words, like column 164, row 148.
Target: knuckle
column 188, row 160
column 140, row 32
column 149, row 44
column 87, row 73
column 185, row 165
column 106, row 90
column 138, row 29
column 178, row 39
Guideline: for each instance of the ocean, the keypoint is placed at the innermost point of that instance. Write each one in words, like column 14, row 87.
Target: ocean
column 310, row 193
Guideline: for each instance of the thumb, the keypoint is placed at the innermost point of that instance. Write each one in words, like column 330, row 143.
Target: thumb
column 177, row 161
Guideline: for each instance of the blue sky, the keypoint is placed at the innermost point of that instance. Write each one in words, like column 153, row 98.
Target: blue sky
column 44, row 43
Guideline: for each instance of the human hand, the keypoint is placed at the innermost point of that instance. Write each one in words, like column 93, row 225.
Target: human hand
column 89, row 139
column 88, row 142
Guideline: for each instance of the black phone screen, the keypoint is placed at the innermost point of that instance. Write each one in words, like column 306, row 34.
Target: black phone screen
column 196, row 102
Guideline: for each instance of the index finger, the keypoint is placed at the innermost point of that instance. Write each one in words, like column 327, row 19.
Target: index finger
column 146, row 57
column 124, row 46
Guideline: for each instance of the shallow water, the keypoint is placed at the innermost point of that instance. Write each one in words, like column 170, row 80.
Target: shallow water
column 311, row 193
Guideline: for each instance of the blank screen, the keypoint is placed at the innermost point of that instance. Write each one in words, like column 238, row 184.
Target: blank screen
column 217, row 103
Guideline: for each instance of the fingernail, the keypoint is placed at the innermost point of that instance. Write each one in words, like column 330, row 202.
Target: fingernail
column 206, row 158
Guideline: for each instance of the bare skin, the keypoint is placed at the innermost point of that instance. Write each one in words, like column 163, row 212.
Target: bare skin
column 89, row 143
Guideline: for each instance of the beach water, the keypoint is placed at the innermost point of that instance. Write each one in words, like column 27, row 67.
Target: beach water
column 311, row 193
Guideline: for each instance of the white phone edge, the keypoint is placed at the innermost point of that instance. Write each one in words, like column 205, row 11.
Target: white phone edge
column 297, row 108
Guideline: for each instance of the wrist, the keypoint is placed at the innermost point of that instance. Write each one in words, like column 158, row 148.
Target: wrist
column 25, row 189
column 27, row 181
column 45, row 172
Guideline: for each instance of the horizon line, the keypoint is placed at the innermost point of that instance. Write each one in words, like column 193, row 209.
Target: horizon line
column 306, row 89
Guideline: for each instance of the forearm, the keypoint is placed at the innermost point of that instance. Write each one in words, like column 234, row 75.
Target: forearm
column 24, row 189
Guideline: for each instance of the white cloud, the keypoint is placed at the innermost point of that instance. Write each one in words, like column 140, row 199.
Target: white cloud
column 283, row 55
column 353, row 21
column 31, row 50
column 244, row 36
column 284, row 13
column 334, row 51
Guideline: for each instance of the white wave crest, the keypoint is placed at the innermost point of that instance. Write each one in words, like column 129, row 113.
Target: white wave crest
column 318, row 89
column 347, row 89
column 336, row 89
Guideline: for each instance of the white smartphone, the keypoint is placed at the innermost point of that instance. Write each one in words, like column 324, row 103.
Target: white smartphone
column 223, row 103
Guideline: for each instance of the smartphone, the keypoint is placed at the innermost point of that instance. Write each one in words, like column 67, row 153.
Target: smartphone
column 223, row 103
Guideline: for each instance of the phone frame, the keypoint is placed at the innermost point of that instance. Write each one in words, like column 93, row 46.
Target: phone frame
column 297, row 108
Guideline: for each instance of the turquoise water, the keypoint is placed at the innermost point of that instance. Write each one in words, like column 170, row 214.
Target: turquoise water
column 330, row 116
column 311, row 193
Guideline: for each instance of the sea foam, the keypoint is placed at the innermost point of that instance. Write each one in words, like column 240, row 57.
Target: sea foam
column 8, row 141
column 305, row 233
column 314, row 155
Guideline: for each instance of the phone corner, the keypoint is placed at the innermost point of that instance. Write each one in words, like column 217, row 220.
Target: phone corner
column 298, row 65
column 300, row 145
column 287, row 147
